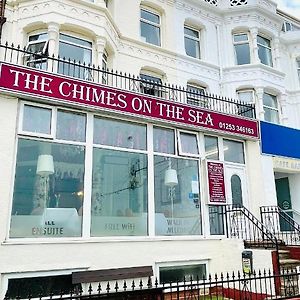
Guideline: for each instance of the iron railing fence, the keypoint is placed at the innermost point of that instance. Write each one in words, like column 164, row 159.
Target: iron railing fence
column 195, row 97
column 238, row 286
column 281, row 224
column 240, row 223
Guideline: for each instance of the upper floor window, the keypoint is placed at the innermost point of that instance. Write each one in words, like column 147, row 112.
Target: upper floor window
column 264, row 50
column 196, row 95
column 192, row 42
column 271, row 108
column 242, row 49
column 287, row 26
column 247, row 96
column 151, row 85
column 150, row 27
column 78, row 51
column 37, row 49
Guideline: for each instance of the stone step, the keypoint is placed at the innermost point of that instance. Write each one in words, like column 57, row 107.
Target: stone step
column 289, row 262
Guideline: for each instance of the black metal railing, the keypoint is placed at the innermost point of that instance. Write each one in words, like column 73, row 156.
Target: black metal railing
column 281, row 224
column 240, row 223
column 258, row 285
column 17, row 55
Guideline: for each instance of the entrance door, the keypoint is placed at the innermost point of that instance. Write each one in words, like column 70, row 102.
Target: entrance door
column 284, row 201
column 235, row 185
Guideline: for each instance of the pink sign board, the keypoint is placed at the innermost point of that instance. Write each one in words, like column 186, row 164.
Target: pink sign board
column 30, row 82
column 216, row 183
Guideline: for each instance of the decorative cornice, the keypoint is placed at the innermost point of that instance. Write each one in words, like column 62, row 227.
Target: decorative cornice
column 167, row 59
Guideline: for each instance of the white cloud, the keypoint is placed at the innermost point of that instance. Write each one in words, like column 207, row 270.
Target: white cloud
column 290, row 6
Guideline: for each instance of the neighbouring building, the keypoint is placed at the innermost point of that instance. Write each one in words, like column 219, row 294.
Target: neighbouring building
column 127, row 128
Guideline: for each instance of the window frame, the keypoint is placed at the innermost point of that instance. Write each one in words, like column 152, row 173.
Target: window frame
column 179, row 141
column 298, row 67
column 241, row 43
column 42, row 56
column 52, row 133
column 266, row 48
column 157, row 25
column 182, row 263
column 155, row 80
column 198, row 40
column 276, row 109
column 197, row 91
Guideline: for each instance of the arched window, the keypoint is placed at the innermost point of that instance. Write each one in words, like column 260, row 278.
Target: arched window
column 247, row 96
column 196, row 95
column 236, row 190
column 264, row 50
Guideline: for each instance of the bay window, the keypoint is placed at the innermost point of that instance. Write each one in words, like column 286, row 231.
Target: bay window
column 242, row 48
column 37, row 51
column 150, row 27
column 246, row 96
column 264, row 50
column 270, row 106
column 78, row 51
column 192, row 42
column 151, row 85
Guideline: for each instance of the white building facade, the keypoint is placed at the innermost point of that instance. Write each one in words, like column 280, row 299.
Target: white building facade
column 131, row 169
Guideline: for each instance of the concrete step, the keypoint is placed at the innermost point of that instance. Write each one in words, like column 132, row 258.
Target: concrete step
column 289, row 262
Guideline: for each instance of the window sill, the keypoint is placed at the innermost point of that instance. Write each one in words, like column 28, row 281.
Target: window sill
column 26, row 241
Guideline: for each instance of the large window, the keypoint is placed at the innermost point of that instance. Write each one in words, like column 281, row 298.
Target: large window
column 150, row 27
column 82, row 174
column 192, row 42
column 271, row 108
column 242, row 49
column 264, row 50
column 77, row 50
column 119, row 184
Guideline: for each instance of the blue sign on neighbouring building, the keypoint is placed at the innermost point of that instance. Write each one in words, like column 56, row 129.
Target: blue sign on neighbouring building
column 279, row 140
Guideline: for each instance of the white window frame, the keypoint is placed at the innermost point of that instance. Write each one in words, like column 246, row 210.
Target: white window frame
column 194, row 39
column 269, row 48
column 145, row 83
column 195, row 89
column 180, row 151
column 51, row 135
column 241, row 43
column 272, row 108
column 157, row 25
column 40, row 59
column 159, row 265
column 287, row 26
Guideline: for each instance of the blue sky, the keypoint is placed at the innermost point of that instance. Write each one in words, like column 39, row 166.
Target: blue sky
column 290, row 6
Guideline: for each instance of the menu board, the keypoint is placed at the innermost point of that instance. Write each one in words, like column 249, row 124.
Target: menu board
column 216, row 184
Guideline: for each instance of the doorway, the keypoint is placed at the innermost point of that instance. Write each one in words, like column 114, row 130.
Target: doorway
column 284, row 201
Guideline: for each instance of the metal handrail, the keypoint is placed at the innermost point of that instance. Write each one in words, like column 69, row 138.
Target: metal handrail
column 242, row 224
column 281, row 224
column 95, row 73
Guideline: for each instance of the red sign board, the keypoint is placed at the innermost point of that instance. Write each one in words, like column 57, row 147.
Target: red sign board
column 216, row 183
column 30, row 82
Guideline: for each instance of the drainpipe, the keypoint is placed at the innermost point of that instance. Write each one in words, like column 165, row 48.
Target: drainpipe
column 217, row 26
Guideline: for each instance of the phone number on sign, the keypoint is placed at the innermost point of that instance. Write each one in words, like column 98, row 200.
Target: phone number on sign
column 236, row 128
